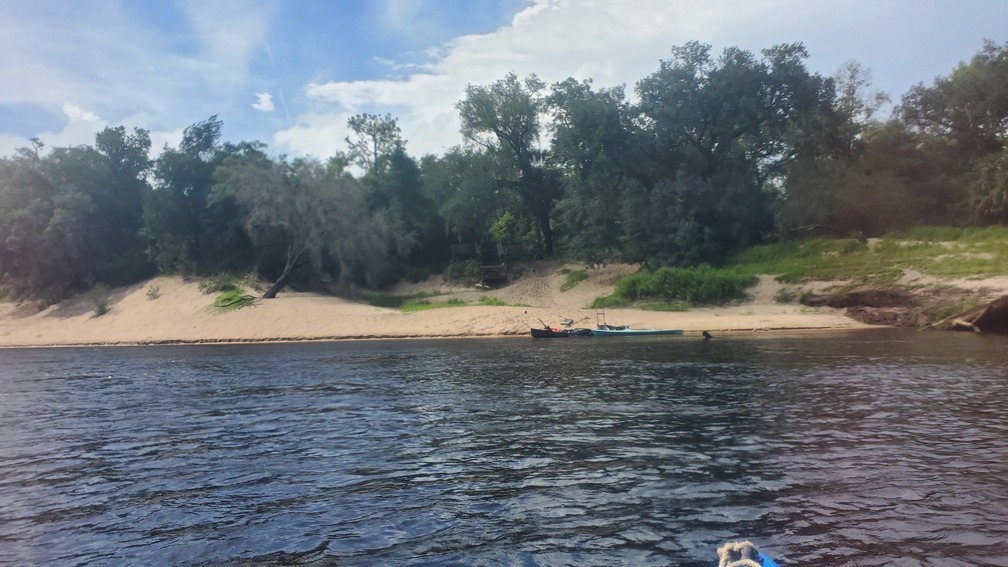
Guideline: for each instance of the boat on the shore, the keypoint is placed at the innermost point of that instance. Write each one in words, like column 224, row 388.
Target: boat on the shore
column 622, row 331
column 550, row 333
column 603, row 329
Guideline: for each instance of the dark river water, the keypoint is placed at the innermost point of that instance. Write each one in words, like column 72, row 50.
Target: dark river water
column 870, row 448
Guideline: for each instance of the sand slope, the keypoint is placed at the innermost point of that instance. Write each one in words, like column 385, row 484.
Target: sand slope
column 182, row 314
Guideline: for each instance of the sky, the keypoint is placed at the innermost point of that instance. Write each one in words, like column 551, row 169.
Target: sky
column 290, row 72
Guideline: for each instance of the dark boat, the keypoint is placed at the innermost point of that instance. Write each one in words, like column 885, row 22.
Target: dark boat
column 548, row 333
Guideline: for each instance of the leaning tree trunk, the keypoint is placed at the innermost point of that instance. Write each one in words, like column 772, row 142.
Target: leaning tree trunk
column 293, row 263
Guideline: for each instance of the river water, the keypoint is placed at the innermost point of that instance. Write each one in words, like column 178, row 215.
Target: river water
column 880, row 447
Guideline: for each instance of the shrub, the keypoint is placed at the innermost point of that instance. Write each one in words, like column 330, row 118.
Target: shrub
column 574, row 277
column 219, row 283
column 153, row 292
column 101, row 299
column 466, row 272
column 698, row 286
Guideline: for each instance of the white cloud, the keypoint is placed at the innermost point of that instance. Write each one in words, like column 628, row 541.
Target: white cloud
column 263, row 103
column 78, row 114
column 117, row 67
column 174, row 75
column 610, row 42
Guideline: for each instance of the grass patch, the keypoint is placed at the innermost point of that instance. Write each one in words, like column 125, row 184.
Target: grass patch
column 935, row 251
column 424, row 305
column 412, row 302
column 391, row 301
column 947, row 310
column 679, row 287
column 574, row 277
column 675, row 306
column 231, row 300
column 220, row 283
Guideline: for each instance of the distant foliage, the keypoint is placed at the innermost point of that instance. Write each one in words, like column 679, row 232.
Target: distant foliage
column 697, row 286
column 712, row 154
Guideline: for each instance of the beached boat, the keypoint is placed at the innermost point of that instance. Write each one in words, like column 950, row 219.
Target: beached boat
column 605, row 330
column 610, row 331
column 548, row 333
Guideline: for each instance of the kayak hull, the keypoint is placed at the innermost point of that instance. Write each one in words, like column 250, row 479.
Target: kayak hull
column 634, row 332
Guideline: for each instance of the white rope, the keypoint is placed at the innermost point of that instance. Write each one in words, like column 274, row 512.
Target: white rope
column 738, row 554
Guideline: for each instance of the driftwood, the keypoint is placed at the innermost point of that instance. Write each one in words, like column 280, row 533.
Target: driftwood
column 992, row 318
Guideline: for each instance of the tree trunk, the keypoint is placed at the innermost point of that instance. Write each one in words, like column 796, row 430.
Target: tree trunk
column 546, row 230
column 292, row 265
column 279, row 284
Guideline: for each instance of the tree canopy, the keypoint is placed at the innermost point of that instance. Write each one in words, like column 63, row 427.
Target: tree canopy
column 710, row 154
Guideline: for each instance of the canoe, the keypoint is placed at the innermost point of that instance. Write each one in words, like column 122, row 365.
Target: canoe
column 560, row 333
column 609, row 331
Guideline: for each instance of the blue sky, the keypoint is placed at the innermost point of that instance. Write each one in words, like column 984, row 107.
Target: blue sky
column 290, row 72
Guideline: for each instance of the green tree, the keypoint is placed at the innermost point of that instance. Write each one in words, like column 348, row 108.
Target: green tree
column 593, row 139
column 377, row 140
column 400, row 194
column 174, row 213
column 464, row 188
column 43, row 222
column 317, row 212
column 989, row 189
column 720, row 135
column 970, row 105
column 504, row 119
column 115, row 229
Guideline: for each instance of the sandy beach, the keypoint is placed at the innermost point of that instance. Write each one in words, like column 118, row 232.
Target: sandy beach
column 182, row 314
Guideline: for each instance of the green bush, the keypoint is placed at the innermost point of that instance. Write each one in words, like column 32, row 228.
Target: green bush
column 231, row 300
column 466, row 272
column 153, row 292
column 697, row 286
column 222, row 282
column 101, row 299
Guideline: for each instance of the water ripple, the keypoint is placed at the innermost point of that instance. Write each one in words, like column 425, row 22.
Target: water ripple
column 867, row 449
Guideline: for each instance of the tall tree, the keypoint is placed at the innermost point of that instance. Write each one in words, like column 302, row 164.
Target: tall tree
column 115, row 230
column 42, row 228
column 504, row 119
column 463, row 186
column 377, row 138
column 721, row 134
column 174, row 214
column 187, row 233
column 593, row 140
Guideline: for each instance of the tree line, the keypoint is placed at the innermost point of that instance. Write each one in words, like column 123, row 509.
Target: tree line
column 712, row 154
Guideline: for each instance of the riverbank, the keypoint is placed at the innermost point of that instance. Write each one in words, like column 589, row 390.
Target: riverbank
column 173, row 310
